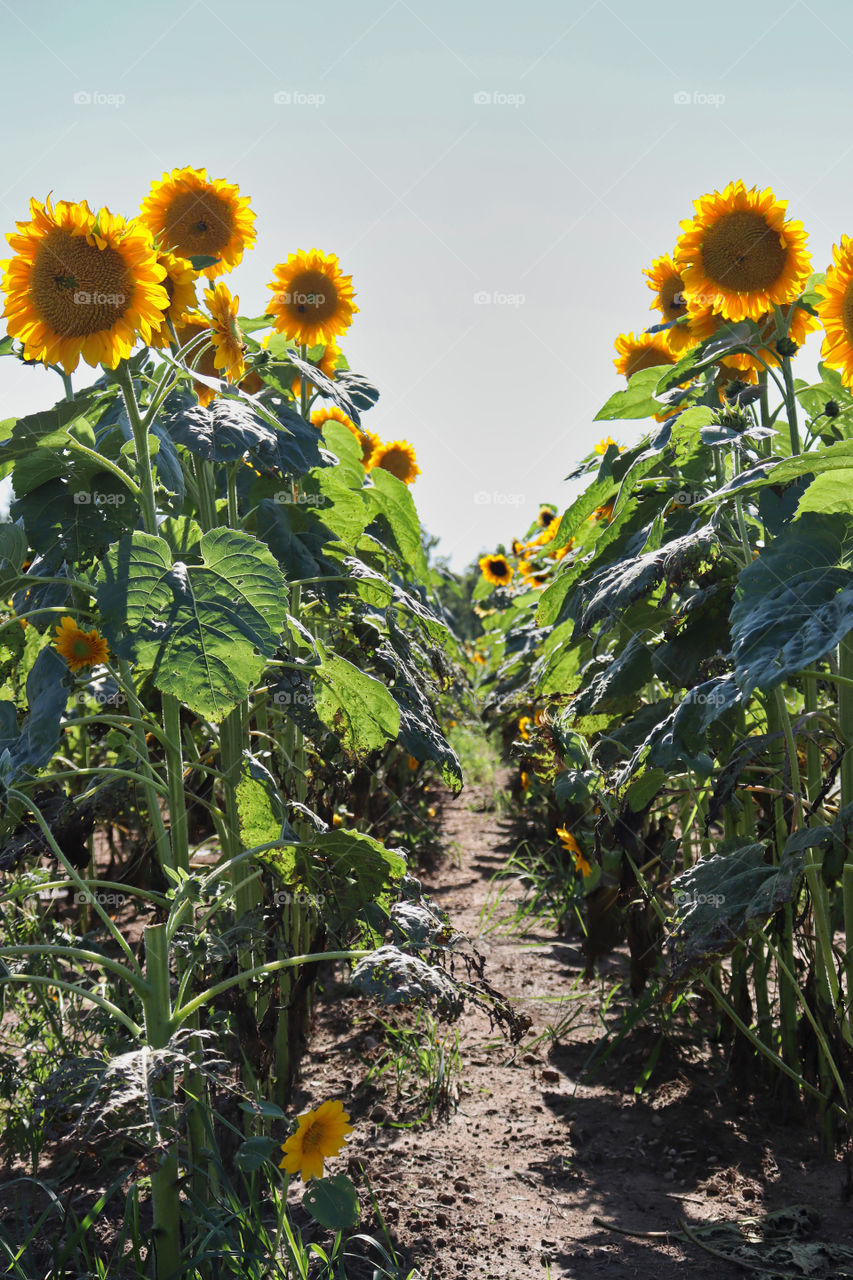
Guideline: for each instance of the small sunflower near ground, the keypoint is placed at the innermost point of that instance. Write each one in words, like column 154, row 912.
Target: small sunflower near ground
column 320, row 1134
column 80, row 648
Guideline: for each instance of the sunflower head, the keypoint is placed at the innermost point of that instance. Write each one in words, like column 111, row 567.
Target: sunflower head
column 524, row 724
column 320, row 417
column 319, row 1135
column 643, row 351
column 836, row 311
column 398, row 457
column 604, row 444
column 82, row 284
column 567, row 840
column 180, row 287
column 313, row 301
column 546, row 517
column 197, row 216
column 227, row 336
column 496, row 569
column 739, row 255
column 80, row 648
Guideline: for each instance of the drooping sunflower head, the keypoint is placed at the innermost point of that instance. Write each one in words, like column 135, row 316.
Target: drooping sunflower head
column 370, row 442
column 643, row 351
column 604, row 444
column 524, row 723
column 312, row 300
column 567, row 840
column 81, row 284
column 836, row 311
column 739, row 255
column 705, row 322
column 496, row 569
column 398, row 457
column 197, row 216
column 227, row 336
column 319, row 1135
column 80, row 648
column 180, row 287
column 665, row 279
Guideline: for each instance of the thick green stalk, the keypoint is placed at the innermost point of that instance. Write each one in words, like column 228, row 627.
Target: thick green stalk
column 791, row 405
column 141, row 445
column 787, row 993
column 164, row 1180
column 175, row 778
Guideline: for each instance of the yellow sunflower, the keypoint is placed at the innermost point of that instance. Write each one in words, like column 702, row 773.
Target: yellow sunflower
column 547, row 515
column 605, row 443
column 727, row 376
column 739, row 255
column 559, row 553
column 80, row 648
column 81, row 284
column 524, row 724
column 603, row 513
column 370, row 442
column 496, row 569
column 228, row 353
column 197, row 216
column 320, row 1134
column 320, row 417
column 398, row 457
column 548, row 534
column 180, row 286
column 836, row 311
column 704, row 322
column 312, row 302
column 327, row 364
column 665, row 279
column 642, row 351
column 567, row 840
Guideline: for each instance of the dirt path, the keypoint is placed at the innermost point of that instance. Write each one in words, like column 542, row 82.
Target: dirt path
column 508, row 1182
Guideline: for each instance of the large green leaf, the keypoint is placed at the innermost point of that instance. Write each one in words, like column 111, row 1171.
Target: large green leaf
column 47, row 695
column 794, row 603
column 395, row 508
column 724, row 898
column 203, row 629
column 333, row 1202
column 357, row 708
column 636, row 401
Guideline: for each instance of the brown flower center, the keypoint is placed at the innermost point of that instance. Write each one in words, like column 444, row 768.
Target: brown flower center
column 646, row 358
column 310, row 296
column 77, row 288
column 312, row 1137
column 398, row 463
column 740, row 252
column 198, row 222
column 672, row 300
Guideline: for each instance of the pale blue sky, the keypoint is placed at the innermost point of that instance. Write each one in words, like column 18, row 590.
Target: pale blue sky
column 550, row 198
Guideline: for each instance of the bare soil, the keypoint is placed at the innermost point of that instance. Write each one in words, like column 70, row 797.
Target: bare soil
column 537, row 1164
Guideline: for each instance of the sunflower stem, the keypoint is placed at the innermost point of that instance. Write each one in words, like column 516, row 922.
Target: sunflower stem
column 143, row 452
column 791, row 405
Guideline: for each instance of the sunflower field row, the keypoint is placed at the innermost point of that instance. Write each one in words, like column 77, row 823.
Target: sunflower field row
column 220, row 639
column 671, row 657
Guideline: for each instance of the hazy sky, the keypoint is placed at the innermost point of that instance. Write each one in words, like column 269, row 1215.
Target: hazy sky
column 536, row 155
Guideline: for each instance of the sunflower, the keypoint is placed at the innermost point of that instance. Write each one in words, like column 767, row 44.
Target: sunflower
column 604, row 444
column 603, row 513
column 737, row 378
column 197, row 216
column 320, row 1134
column 80, row 648
column 320, row 417
column 496, row 569
column 524, row 724
column 370, row 442
column 228, row 354
column 518, row 548
column 81, row 284
column 567, row 840
column 665, row 279
column 548, row 534
column 642, row 351
column 836, row 311
column 559, row 553
column 705, row 322
column 524, row 779
column 327, row 363
column 739, row 255
column 398, row 457
column 312, row 300
column 547, row 515
column 180, row 286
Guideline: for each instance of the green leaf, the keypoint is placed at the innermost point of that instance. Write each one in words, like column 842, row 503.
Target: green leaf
column 393, row 502
column 332, row 1202
column 636, row 401
column 259, row 809
column 253, row 1153
column 794, row 603
column 358, row 709
column 204, row 629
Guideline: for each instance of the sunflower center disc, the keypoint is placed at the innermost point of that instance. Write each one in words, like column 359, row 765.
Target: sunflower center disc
column 645, row 358
column 77, row 288
column 198, row 222
column 672, row 298
column 742, row 253
column 312, row 294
